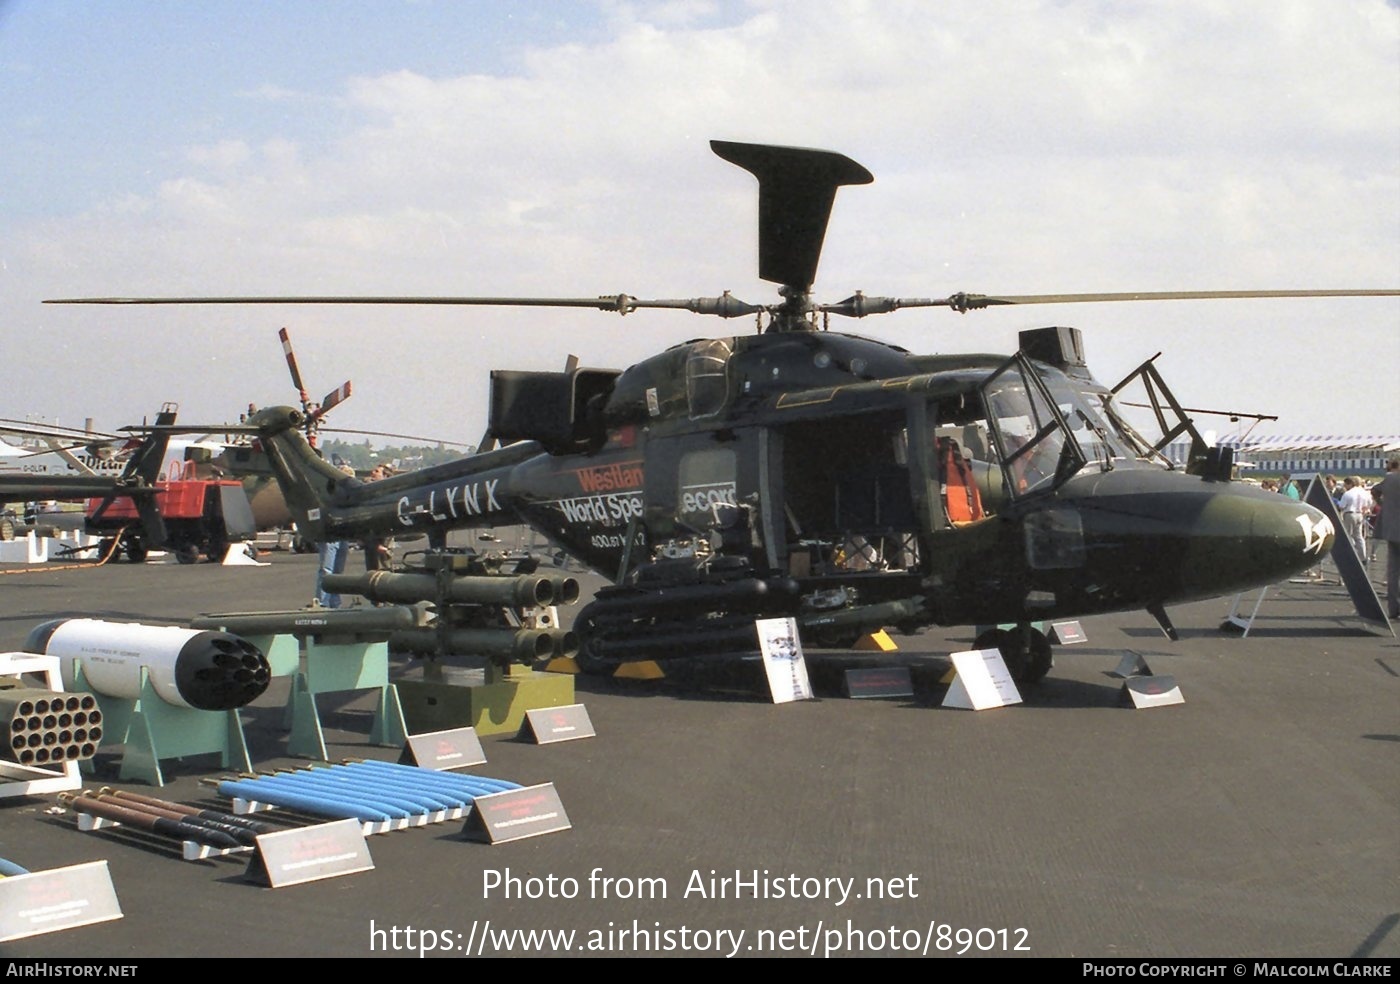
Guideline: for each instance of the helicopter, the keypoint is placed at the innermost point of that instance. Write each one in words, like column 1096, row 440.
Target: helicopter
column 833, row 478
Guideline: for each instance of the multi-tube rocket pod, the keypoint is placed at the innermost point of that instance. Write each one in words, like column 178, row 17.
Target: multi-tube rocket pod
column 201, row 669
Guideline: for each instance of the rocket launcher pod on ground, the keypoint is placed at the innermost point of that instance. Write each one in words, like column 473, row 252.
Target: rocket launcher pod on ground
column 200, row 669
column 42, row 727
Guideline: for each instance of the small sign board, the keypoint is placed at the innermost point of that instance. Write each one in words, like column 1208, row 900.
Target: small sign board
column 303, row 854
column 60, row 898
column 1132, row 664
column 1067, row 633
column 783, row 660
column 879, row 681
column 547, row 725
column 1152, row 691
column 982, row 681
column 442, row 750
column 516, row 814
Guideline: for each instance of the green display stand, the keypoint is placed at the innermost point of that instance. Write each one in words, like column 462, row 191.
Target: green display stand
column 340, row 666
column 150, row 730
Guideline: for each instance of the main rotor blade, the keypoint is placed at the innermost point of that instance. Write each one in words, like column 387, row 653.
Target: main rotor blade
column 31, row 429
column 725, row 306
column 860, row 305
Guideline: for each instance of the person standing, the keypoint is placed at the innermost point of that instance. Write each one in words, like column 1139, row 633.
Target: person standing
column 378, row 549
column 1355, row 505
column 1387, row 493
column 333, row 555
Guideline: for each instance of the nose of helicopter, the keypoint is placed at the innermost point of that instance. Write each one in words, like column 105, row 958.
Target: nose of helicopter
column 1273, row 537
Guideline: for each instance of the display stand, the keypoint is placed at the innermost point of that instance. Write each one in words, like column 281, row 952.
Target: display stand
column 28, row 780
column 498, row 706
column 1239, row 621
column 340, row 666
column 150, row 730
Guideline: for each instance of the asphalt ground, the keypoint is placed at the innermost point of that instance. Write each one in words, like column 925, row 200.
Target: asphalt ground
column 1259, row 818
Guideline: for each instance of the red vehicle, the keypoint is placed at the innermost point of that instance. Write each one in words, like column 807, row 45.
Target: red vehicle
column 201, row 516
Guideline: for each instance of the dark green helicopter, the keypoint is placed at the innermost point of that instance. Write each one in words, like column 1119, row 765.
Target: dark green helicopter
column 841, row 480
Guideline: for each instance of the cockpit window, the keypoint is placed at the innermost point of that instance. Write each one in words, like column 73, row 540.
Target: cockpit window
column 706, row 377
column 1034, row 434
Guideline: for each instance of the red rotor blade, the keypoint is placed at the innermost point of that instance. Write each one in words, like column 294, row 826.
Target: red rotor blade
column 334, row 398
column 292, row 364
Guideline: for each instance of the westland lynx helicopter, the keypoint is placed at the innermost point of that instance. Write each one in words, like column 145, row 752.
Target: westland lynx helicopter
column 834, row 478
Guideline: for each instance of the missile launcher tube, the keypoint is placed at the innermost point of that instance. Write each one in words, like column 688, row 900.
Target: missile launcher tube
column 517, row 645
column 310, row 622
column 520, row 591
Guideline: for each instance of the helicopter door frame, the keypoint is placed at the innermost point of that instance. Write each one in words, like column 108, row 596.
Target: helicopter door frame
column 1157, row 391
column 1031, row 478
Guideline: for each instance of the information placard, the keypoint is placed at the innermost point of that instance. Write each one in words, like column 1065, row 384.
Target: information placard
column 441, row 750
column 1067, row 633
column 982, row 681
column 879, row 681
column 1152, row 691
column 783, row 660
column 60, row 898
column 547, row 725
column 323, row 850
column 516, row 814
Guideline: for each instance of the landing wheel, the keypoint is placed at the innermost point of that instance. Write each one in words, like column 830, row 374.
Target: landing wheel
column 135, row 551
column 187, row 553
column 1026, row 651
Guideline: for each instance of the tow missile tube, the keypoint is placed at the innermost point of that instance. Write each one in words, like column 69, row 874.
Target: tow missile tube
column 521, row 591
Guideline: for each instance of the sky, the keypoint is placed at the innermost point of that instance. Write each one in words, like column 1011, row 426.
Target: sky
column 423, row 147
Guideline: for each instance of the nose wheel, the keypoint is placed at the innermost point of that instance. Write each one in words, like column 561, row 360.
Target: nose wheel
column 1024, row 649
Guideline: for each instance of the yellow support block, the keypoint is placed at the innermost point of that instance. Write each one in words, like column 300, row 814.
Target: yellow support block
column 646, row 669
column 563, row 664
column 876, row 642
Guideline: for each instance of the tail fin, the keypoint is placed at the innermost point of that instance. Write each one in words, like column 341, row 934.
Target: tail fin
column 309, row 482
column 139, row 477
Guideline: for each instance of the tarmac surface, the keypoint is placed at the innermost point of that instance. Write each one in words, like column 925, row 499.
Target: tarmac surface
column 1259, row 818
